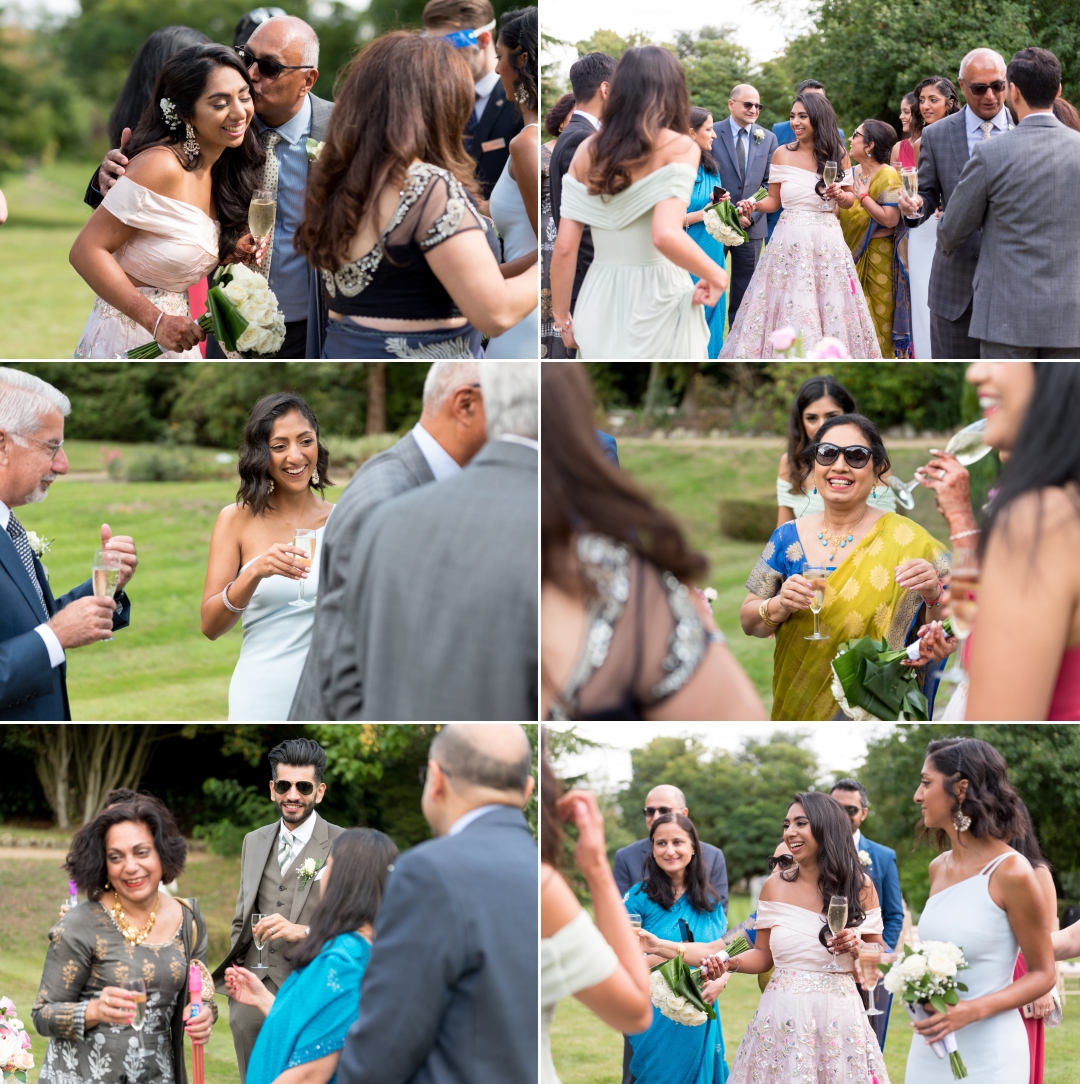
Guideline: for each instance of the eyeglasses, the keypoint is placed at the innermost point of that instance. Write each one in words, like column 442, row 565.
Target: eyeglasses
column 655, row 810
column 53, row 446
column 422, row 773
column 268, row 68
column 748, row 105
column 859, row 134
column 784, row 861
column 851, row 810
column 855, row 455
column 304, row 786
column 979, row 89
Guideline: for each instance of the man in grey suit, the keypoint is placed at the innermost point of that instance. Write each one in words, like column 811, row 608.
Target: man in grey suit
column 440, row 603
column 271, row 884
column 451, row 430
column 944, row 149
column 450, row 993
column 744, row 151
column 1027, row 278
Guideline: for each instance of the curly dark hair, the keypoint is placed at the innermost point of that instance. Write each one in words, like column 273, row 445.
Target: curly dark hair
column 85, row 861
column 817, row 387
column 840, row 872
column 990, row 801
column 519, row 31
column 254, row 467
column 879, row 456
column 556, row 116
column 363, row 860
column 657, row 883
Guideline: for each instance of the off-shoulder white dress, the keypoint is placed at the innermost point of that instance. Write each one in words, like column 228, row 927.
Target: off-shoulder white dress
column 634, row 302
column 176, row 246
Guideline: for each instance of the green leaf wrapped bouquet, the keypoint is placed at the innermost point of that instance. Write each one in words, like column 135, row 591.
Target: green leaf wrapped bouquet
column 722, row 219
column 675, row 987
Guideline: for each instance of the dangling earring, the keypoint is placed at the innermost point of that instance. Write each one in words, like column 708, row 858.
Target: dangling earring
column 521, row 95
column 960, row 822
column 315, row 477
column 270, row 486
column 815, row 491
column 873, row 494
column 191, row 144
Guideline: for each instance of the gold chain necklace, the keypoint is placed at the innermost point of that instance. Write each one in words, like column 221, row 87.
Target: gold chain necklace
column 130, row 931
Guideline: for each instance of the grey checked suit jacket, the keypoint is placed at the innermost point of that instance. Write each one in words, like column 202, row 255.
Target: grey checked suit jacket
column 1027, row 278
column 440, row 604
column 398, row 469
column 758, row 160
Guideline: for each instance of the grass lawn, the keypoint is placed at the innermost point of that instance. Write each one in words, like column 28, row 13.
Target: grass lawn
column 689, row 478
column 46, row 303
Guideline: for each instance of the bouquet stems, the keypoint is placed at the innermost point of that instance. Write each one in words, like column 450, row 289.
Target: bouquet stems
column 154, row 349
column 956, row 1063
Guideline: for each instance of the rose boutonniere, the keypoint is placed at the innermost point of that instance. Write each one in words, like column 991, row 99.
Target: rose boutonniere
column 39, row 546
column 314, row 149
column 865, row 859
column 308, row 870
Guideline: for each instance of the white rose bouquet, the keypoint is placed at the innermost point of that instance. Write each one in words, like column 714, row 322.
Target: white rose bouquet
column 721, row 218
column 928, row 977
column 675, row 989
column 15, row 1056
column 242, row 313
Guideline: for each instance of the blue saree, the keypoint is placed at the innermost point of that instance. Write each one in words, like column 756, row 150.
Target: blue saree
column 313, row 1010
column 670, row 1053
column 715, row 317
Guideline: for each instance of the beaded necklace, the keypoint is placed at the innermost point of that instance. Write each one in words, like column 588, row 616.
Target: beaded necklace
column 837, row 541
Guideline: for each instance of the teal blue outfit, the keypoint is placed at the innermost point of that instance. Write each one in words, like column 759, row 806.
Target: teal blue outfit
column 701, row 197
column 671, row 1053
column 313, row 1010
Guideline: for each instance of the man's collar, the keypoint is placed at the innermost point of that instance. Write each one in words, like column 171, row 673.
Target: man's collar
column 466, row 819
column 485, row 86
column 513, row 438
column 442, row 463
column 294, row 127
column 1037, row 113
column 736, row 127
column 593, row 120
column 301, row 832
column 5, row 515
column 857, row 838
column 974, row 121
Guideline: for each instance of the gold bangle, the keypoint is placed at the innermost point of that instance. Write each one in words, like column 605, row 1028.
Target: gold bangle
column 763, row 613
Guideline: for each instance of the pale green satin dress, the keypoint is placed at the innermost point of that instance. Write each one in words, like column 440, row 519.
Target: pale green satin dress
column 634, row 302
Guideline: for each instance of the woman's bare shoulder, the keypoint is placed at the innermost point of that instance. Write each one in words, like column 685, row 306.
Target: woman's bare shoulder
column 582, row 160
column 782, row 470
column 672, row 146
column 158, row 169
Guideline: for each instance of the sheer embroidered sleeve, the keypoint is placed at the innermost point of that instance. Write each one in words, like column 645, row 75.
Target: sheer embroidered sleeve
column 60, row 1007
column 438, row 208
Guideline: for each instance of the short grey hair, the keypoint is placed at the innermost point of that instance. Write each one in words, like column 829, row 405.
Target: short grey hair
column 511, row 398
column 24, row 399
column 444, row 378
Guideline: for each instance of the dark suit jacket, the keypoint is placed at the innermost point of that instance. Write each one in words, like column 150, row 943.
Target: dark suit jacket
column 573, row 135
column 883, row 872
column 31, row 689
column 758, row 159
column 630, row 864
column 501, row 120
column 461, row 909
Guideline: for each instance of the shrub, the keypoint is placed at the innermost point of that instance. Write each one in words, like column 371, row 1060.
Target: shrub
column 244, row 809
column 748, row 520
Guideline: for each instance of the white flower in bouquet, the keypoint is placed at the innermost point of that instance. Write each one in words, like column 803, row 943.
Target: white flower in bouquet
column 941, row 965
column 672, row 1005
column 716, row 227
column 10, row 1045
column 914, row 967
column 858, row 714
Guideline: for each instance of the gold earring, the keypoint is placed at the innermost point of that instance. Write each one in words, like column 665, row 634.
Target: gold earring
column 270, row 486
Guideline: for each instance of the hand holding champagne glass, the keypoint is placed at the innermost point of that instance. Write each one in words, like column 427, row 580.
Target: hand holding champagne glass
column 963, row 603
column 259, row 944
column 816, row 576
column 837, row 918
column 262, row 212
column 138, row 990
column 869, row 958
column 828, row 175
column 303, row 540
column 105, row 572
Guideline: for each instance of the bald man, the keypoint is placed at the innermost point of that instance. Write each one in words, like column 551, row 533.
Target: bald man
column 744, row 151
column 944, row 150
column 450, row 993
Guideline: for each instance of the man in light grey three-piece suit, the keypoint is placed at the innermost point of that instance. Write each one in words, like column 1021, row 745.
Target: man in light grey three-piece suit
column 451, row 430
column 1027, row 279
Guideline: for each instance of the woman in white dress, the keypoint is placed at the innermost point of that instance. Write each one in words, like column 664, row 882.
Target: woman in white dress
column 806, row 278
column 936, row 98
column 985, row 898
column 179, row 210
column 515, row 205
column 254, row 571
column 631, row 183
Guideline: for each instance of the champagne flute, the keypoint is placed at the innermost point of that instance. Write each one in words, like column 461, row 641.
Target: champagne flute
column 105, row 571
column 828, row 175
column 138, row 988
column 262, row 212
column 303, row 540
column 837, row 916
column 869, row 958
column 260, row 945
column 963, row 604
column 909, row 178
column 817, row 577
column 969, row 446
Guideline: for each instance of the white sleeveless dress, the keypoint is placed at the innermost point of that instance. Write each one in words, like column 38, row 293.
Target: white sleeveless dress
column 634, row 302
column 277, row 637
column 512, row 220
column 995, row 1050
column 176, row 246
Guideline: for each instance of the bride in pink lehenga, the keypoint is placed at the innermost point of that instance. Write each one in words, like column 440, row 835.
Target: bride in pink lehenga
column 806, row 277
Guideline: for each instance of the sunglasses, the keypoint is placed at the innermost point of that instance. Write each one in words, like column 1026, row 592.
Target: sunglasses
column 855, row 455
column 268, row 68
column 979, row 89
column 653, row 810
column 304, row 786
column 783, row 861
column 851, row 810
column 748, row 105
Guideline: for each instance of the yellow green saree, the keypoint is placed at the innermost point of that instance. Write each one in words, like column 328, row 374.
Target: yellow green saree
column 862, row 599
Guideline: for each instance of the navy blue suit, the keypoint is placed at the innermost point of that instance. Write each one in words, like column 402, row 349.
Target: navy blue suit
column 30, row 689
column 450, row 994
column 883, row 872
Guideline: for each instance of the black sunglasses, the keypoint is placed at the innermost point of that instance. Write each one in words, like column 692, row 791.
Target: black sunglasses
column 283, row 786
column 784, row 861
column 651, row 810
column 748, row 105
column 855, row 455
column 268, row 68
column 979, row 89
column 851, row 810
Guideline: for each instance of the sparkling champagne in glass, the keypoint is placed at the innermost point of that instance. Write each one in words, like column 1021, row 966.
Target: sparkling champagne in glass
column 969, row 446
column 817, row 577
column 828, row 175
column 138, row 989
column 303, row 540
column 869, row 958
column 837, row 918
column 909, row 178
column 261, row 214
column 260, row 945
column 105, row 574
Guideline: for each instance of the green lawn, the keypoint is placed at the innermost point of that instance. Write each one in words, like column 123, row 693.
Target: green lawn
column 45, row 302
column 689, row 478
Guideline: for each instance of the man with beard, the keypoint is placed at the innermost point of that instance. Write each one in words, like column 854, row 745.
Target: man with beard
column 273, row 883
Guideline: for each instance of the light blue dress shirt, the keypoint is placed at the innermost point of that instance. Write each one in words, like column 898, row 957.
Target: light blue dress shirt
column 288, row 268
column 974, row 132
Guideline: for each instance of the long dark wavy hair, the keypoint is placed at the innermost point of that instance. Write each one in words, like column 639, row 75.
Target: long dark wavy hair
column 363, row 861
column 990, row 801
column 235, row 174
column 648, row 94
column 658, row 885
column 840, row 872
column 85, row 861
column 870, row 432
column 149, row 60
column 1027, row 843
column 698, row 117
column 948, row 92
column 519, row 31
column 817, row 387
column 828, row 146
column 254, row 467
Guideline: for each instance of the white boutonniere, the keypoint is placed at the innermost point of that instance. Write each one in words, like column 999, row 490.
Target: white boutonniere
column 307, row 871
column 314, row 149
column 865, row 859
column 39, row 546
column 759, row 135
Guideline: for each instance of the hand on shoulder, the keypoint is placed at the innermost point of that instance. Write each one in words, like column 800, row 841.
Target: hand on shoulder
column 159, row 170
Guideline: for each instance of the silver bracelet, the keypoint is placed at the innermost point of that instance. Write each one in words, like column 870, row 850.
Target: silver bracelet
column 153, row 334
column 964, row 534
column 228, row 605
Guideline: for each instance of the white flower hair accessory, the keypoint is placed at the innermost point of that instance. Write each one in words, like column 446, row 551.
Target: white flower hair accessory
column 168, row 111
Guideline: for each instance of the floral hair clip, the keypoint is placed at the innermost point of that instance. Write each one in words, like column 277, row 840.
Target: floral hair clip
column 168, row 111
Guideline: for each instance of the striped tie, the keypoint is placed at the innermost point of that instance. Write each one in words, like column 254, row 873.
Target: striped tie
column 22, row 547
column 284, row 852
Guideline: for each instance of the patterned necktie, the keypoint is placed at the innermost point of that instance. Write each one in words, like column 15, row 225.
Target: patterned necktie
column 987, row 127
column 742, row 153
column 284, row 851
column 269, row 183
column 22, row 547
